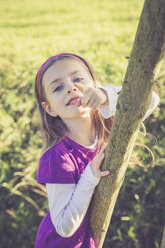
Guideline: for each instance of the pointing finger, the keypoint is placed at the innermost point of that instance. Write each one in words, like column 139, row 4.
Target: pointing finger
column 81, row 87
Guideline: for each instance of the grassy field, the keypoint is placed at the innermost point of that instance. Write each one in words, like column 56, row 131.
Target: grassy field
column 103, row 33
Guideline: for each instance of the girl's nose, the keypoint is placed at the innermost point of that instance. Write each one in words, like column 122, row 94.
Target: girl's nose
column 71, row 88
column 74, row 89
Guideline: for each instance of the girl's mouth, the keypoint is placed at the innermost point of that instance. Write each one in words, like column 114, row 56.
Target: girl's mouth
column 76, row 102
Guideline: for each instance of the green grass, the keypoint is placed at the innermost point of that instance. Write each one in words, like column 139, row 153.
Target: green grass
column 103, row 33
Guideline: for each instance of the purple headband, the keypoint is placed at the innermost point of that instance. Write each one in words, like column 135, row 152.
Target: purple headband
column 57, row 56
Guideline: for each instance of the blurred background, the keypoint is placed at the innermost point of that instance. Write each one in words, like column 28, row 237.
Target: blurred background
column 103, row 33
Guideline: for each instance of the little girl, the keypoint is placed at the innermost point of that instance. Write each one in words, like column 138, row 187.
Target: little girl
column 76, row 116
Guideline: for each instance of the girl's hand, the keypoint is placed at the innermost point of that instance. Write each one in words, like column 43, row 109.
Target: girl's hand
column 95, row 164
column 93, row 97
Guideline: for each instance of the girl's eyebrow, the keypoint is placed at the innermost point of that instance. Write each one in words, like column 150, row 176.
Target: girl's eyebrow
column 58, row 79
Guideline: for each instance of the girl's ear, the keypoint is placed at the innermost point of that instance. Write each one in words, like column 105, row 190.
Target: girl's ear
column 48, row 109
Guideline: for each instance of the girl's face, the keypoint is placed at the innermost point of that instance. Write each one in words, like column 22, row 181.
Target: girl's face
column 59, row 83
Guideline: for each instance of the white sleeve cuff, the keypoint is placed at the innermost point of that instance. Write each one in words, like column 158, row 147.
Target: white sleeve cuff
column 154, row 103
column 108, row 110
column 88, row 174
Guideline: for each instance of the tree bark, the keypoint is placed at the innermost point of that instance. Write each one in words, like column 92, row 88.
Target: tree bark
column 134, row 99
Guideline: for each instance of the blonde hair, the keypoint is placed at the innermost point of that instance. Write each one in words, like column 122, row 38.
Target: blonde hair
column 53, row 129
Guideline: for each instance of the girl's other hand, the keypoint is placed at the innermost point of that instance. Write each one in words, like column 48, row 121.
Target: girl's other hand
column 92, row 97
column 96, row 163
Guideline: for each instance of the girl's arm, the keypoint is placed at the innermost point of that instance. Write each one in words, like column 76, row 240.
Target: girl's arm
column 154, row 103
column 108, row 110
column 68, row 203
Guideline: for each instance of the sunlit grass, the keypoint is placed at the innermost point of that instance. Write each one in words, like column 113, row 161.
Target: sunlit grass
column 31, row 31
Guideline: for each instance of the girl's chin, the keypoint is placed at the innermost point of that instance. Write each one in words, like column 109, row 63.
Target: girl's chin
column 78, row 106
column 84, row 114
column 80, row 112
column 87, row 109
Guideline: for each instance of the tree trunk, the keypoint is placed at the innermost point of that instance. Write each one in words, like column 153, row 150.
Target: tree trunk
column 144, row 64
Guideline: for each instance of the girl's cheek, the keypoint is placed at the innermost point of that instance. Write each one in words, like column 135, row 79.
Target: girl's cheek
column 88, row 83
column 91, row 84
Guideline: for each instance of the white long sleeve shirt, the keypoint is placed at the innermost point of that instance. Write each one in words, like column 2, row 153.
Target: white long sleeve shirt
column 68, row 203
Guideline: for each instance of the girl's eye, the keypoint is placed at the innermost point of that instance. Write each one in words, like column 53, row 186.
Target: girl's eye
column 78, row 79
column 58, row 88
